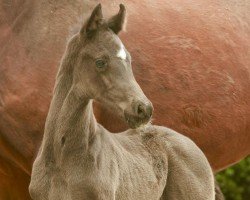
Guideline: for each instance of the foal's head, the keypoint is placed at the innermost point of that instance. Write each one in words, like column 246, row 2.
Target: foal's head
column 103, row 72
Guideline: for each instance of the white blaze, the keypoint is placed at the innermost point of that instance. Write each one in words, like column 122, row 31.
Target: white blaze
column 121, row 52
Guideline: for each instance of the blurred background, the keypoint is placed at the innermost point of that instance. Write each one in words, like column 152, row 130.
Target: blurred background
column 235, row 181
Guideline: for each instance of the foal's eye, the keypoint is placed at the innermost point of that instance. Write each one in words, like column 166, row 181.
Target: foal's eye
column 100, row 63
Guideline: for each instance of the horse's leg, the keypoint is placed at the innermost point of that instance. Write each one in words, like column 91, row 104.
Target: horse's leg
column 218, row 194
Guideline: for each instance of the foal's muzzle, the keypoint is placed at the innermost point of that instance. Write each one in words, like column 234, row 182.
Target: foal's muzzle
column 140, row 114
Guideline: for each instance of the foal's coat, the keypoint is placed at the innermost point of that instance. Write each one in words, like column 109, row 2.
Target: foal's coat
column 79, row 159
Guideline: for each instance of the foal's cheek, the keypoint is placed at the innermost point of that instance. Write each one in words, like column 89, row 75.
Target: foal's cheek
column 106, row 82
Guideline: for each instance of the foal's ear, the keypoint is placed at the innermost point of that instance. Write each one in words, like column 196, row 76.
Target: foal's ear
column 93, row 22
column 117, row 22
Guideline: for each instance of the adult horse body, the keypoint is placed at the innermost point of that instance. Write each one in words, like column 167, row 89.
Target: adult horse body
column 191, row 59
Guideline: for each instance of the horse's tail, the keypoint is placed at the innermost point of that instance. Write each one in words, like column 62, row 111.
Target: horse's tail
column 218, row 194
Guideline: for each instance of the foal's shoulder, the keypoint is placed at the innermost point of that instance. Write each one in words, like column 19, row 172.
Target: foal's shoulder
column 170, row 139
column 179, row 149
column 160, row 132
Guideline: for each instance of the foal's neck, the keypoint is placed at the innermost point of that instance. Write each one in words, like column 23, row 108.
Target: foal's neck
column 70, row 119
column 76, row 123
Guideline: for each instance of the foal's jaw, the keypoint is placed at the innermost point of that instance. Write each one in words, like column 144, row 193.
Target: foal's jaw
column 133, row 111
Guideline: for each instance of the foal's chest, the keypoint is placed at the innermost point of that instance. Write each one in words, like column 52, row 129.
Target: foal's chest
column 111, row 183
column 121, row 177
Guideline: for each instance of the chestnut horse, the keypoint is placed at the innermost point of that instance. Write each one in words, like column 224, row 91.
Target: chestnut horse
column 191, row 58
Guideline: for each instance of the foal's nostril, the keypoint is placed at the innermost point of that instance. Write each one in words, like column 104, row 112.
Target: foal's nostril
column 140, row 114
column 144, row 111
column 149, row 110
column 140, row 110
